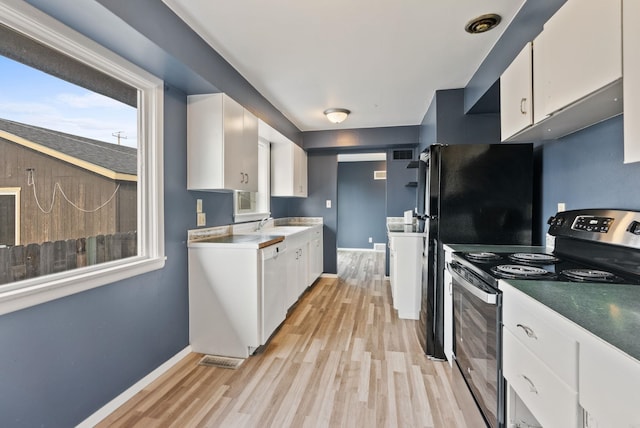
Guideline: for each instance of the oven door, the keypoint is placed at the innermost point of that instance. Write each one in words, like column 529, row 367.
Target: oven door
column 478, row 341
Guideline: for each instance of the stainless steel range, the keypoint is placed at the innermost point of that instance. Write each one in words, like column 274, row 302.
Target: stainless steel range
column 591, row 246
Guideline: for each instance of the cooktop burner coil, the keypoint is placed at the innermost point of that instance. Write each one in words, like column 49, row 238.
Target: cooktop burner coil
column 590, row 275
column 520, row 272
column 483, row 256
column 539, row 258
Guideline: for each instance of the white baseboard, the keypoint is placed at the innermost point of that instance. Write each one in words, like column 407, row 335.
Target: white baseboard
column 112, row 405
column 329, row 275
column 357, row 249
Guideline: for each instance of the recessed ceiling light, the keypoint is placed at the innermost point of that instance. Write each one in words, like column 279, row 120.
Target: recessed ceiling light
column 482, row 23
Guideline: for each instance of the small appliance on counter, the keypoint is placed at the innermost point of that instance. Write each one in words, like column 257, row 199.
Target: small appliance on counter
column 592, row 246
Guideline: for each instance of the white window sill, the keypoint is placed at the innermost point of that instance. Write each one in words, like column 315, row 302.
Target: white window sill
column 31, row 292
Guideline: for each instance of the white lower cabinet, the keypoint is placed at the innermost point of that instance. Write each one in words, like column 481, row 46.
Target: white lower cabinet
column 561, row 374
column 448, row 307
column 553, row 402
column 304, row 261
column 224, row 301
column 316, row 257
column 609, row 391
column 296, row 268
column 406, row 274
column 540, row 360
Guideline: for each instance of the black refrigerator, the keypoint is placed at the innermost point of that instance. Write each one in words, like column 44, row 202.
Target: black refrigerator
column 468, row 194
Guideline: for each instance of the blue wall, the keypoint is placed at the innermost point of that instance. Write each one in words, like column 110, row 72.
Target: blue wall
column 586, row 170
column 446, row 122
column 63, row 360
column 361, row 204
column 400, row 197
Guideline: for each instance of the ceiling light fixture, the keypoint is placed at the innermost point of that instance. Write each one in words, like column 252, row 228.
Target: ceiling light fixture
column 482, row 23
column 336, row 115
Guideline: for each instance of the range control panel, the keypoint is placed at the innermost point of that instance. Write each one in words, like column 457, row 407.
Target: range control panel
column 604, row 225
column 592, row 224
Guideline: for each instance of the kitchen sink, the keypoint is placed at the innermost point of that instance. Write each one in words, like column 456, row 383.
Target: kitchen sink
column 283, row 230
column 278, row 230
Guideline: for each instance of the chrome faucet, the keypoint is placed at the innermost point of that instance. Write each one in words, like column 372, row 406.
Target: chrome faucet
column 262, row 223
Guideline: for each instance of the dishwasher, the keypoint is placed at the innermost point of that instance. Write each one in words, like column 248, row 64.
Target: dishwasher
column 274, row 286
column 236, row 294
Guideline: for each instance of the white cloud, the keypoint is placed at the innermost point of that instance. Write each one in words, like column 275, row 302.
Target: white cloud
column 12, row 108
column 88, row 100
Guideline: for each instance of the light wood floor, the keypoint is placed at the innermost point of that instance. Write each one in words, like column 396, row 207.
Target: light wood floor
column 341, row 359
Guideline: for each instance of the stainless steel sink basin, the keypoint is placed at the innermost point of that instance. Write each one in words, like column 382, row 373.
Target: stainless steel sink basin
column 284, row 230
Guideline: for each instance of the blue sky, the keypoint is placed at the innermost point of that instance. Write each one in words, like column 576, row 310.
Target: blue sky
column 30, row 96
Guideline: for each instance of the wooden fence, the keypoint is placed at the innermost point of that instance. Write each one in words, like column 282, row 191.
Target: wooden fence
column 34, row 260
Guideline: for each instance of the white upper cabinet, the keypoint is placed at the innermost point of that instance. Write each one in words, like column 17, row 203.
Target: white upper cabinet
column 516, row 104
column 577, row 73
column 578, row 52
column 631, row 69
column 288, row 170
column 222, row 144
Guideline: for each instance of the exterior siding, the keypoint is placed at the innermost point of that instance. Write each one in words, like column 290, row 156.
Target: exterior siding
column 86, row 189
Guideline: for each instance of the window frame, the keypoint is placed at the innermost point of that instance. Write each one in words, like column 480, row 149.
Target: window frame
column 15, row 192
column 26, row 19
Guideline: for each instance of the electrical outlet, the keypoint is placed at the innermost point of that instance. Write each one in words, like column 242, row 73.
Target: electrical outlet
column 562, row 206
column 202, row 219
column 198, row 205
column 370, row 240
column 328, row 203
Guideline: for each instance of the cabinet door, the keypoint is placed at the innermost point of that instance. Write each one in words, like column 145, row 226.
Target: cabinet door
column 608, row 382
column 299, row 171
column 631, row 89
column 578, row 52
column 303, row 267
column 315, row 254
column 249, row 155
column 233, row 145
column 393, row 269
column 282, row 160
column 516, row 104
column 292, row 276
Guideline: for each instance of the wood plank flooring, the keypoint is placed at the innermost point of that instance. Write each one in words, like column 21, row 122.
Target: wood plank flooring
column 341, row 359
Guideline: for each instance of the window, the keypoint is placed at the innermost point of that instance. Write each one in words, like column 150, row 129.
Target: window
column 9, row 216
column 69, row 177
column 250, row 206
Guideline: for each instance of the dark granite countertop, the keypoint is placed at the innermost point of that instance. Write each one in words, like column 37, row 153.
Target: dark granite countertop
column 609, row 311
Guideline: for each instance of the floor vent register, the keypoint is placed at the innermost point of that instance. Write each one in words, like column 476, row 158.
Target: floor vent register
column 221, row 362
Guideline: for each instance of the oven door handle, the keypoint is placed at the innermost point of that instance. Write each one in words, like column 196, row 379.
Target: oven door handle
column 486, row 297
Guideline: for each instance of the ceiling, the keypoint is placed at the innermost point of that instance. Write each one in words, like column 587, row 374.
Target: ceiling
column 382, row 60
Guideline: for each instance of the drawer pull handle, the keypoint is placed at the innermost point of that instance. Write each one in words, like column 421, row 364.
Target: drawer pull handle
column 528, row 331
column 532, row 387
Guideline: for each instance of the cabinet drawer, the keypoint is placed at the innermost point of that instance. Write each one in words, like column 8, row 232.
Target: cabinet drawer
column 534, row 325
column 552, row 402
